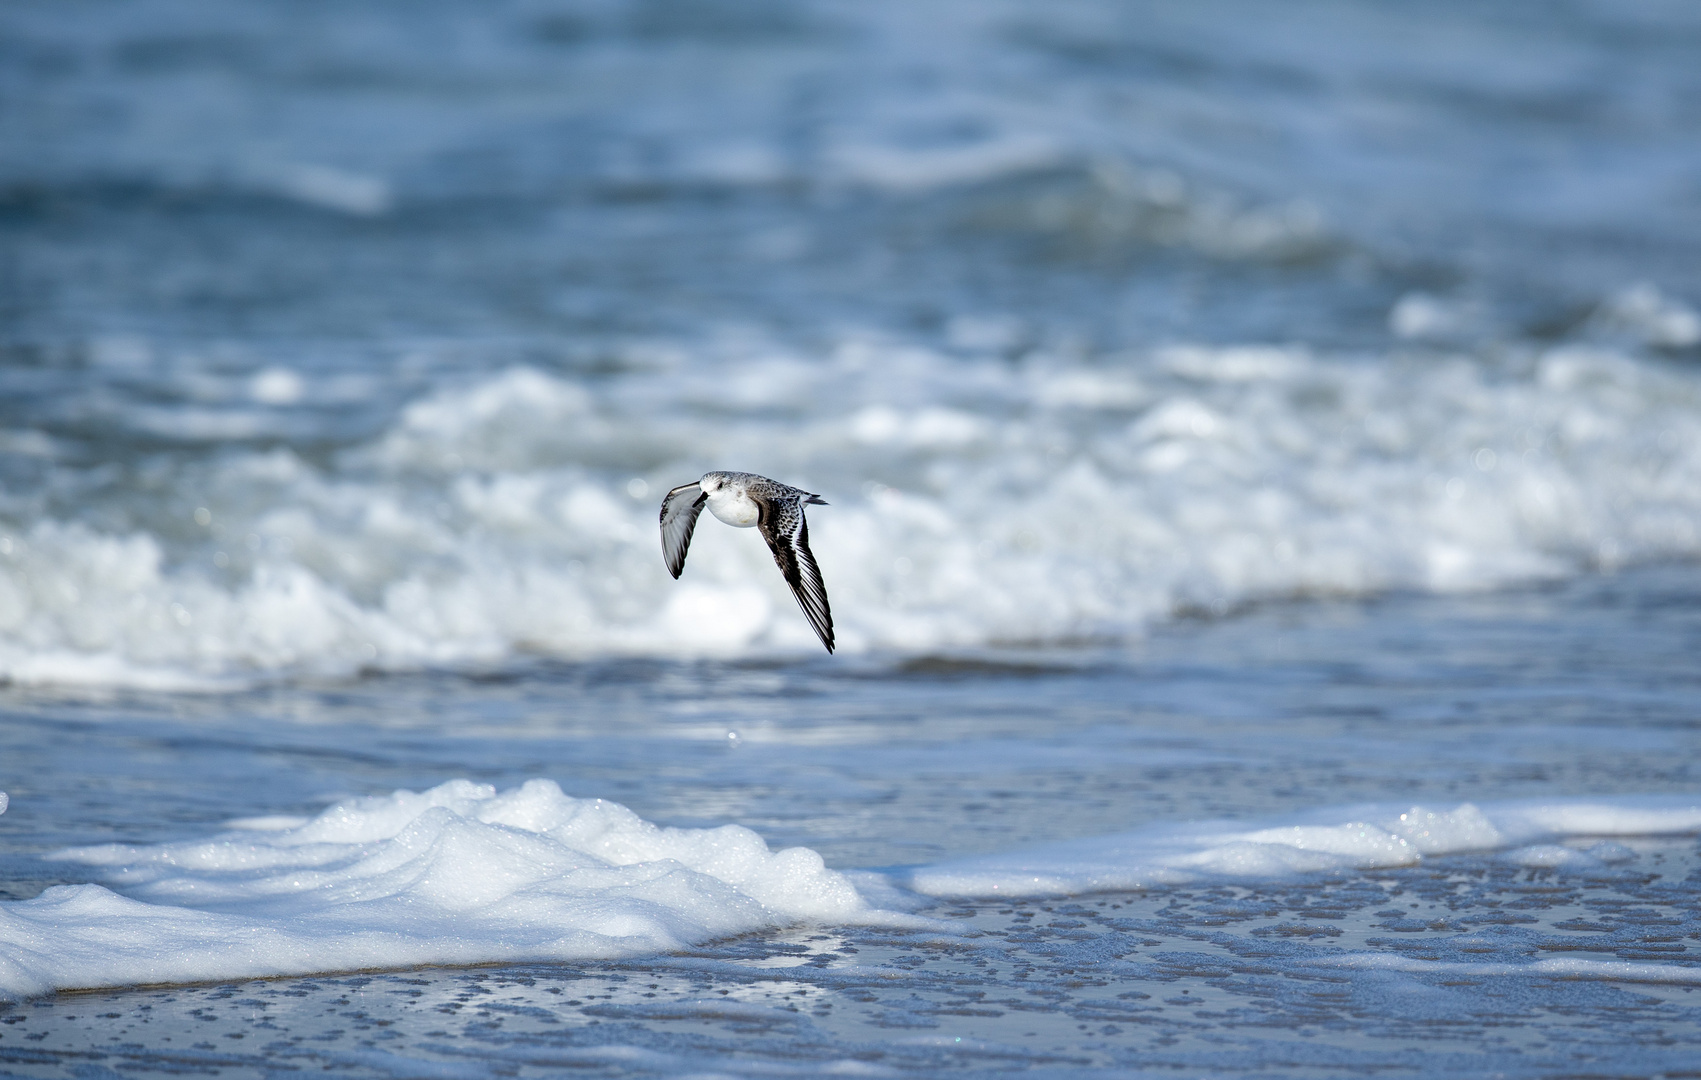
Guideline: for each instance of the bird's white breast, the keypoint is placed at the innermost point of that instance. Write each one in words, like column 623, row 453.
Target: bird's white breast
column 734, row 507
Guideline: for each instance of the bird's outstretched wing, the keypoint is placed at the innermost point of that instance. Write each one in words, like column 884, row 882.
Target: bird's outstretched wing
column 678, row 518
column 787, row 534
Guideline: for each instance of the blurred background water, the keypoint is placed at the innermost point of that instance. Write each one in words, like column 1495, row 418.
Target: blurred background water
column 368, row 336
column 346, row 349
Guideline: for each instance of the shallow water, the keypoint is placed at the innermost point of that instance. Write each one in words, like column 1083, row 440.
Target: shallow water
column 1227, row 980
column 1286, row 419
column 1524, row 960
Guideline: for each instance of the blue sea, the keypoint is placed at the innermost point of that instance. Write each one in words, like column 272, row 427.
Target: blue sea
column 1262, row 447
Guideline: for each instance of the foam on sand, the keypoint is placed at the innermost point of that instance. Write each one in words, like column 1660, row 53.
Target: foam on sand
column 460, row 874
column 1352, row 838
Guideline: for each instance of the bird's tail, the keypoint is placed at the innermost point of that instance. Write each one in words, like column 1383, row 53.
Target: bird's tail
column 817, row 500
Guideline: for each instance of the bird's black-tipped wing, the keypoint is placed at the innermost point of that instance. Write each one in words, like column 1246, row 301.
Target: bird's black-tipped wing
column 678, row 518
column 787, row 533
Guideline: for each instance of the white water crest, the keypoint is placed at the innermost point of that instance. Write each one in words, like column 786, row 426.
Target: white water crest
column 463, row 874
column 1352, row 838
column 460, row 874
column 975, row 501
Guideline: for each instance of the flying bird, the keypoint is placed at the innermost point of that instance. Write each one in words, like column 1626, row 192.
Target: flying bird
column 742, row 500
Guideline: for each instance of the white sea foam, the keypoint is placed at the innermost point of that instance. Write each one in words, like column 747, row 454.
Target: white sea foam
column 458, row 874
column 910, row 169
column 1353, row 838
column 974, row 502
column 1643, row 311
column 462, row 874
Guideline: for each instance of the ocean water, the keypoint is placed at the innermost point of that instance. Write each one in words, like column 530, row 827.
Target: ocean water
column 1263, row 448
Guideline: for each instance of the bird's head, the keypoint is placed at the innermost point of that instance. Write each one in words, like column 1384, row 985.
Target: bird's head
column 712, row 482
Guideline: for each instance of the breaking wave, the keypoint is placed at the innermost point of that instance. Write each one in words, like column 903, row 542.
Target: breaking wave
column 976, row 500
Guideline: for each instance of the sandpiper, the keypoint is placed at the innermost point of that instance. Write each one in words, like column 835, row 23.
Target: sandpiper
column 742, row 500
